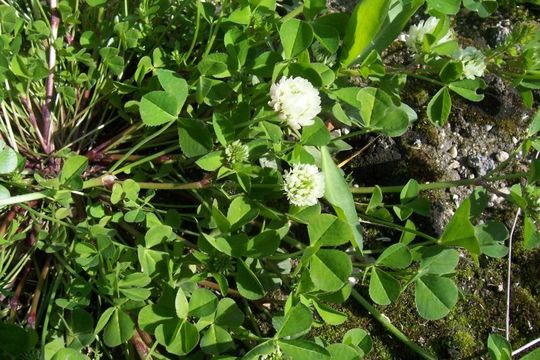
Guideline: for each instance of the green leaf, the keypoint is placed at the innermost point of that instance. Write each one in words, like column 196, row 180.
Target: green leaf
column 439, row 107
column 316, row 134
column 119, row 329
column 297, row 322
column 342, row 352
column 174, row 85
column 534, row 126
column 435, row 296
column 216, row 340
column 15, row 339
column 195, row 139
column 181, row 304
column 202, row 303
column 491, row 236
column 359, row 338
column 158, row 234
column 94, row 3
column 330, row 269
column 73, row 167
column 337, row 193
column 248, row 284
column 4, row 193
column 396, row 256
column 263, row 244
column 438, row 260
column 153, row 315
column 303, row 350
column 360, row 33
column 327, row 36
column 383, row 287
column 240, row 212
column 468, row 88
column 114, row 62
column 296, row 36
column 460, row 231
column 313, row 7
column 8, row 160
column 328, row 230
column 329, row 314
column 69, row 354
column 484, row 8
column 531, row 236
column 533, row 355
column 158, row 107
column 228, row 314
column 211, row 161
column 409, row 192
column 446, row 7
column 8, row 18
column 178, row 336
column 379, row 112
column 260, row 350
column 499, row 348
column 451, row 71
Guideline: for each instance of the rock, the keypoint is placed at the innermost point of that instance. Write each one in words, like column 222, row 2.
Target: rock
column 502, row 156
column 481, row 164
column 453, row 152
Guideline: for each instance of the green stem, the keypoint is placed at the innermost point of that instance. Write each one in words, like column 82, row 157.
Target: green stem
column 293, row 13
column 391, row 328
column 440, row 184
column 391, row 225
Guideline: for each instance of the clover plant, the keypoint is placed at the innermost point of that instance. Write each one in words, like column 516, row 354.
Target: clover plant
column 169, row 182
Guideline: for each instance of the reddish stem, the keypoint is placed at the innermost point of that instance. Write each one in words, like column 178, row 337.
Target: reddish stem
column 33, row 121
column 37, row 292
column 14, row 301
column 140, row 345
column 49, row 89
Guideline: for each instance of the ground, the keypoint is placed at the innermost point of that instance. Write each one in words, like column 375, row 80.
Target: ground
column 476, row 139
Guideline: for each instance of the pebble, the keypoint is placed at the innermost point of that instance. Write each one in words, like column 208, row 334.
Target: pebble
column 453, row 152
column 502, row 156
column 488, row 128
column 453, row 164
column 514, row 140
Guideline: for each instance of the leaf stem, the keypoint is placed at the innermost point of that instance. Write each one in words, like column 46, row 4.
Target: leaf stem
column 391, row 328
column 440, row 184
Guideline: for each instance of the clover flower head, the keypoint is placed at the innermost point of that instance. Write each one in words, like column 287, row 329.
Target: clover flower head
column 473, row 60
column 274, row 355
column 236, row 152
column 415, row 37
column 304, row 184
column 296, row 101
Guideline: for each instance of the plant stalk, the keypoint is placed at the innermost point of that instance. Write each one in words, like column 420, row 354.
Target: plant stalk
column 49, row 89
column 37, row 293
column 391, row 328
column 439, row 184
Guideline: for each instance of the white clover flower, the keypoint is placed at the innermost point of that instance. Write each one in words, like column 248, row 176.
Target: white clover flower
column 415, row 38
column 236, row 152
column 304, row 184
column 274, row 355
column 296, row 101
column 473, row 61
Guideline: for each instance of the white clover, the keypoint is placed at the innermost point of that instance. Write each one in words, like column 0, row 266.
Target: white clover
column 236, row 152
column 415, row 38
column 276, row 354
column 296, row 101
column 473, row 61
column 303, row 185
